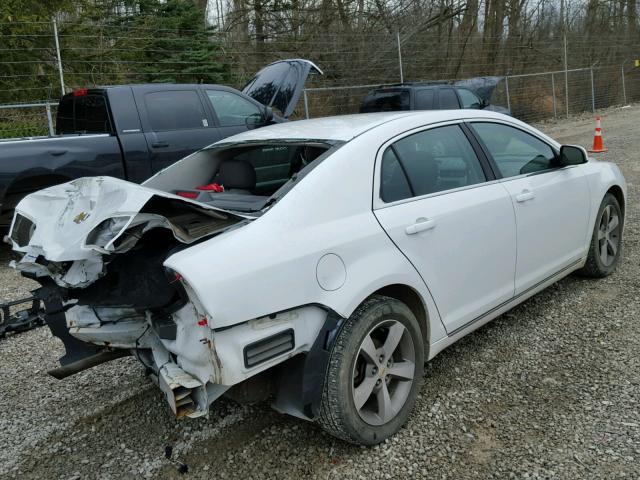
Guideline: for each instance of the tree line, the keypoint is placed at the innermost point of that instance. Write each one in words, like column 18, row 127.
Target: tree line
column 354, row 41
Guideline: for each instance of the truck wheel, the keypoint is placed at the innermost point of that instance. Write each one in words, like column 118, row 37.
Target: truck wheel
column 606, row 241
column 374, row 373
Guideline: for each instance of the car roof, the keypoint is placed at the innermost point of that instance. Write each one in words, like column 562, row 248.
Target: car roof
column 346, row 127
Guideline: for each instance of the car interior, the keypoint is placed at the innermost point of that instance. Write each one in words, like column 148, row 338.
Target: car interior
column 244, row 179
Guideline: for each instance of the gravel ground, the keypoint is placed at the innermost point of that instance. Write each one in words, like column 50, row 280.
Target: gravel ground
column 548, row 390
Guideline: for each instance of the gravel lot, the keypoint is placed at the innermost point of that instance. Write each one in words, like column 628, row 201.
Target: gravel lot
column 548, row 390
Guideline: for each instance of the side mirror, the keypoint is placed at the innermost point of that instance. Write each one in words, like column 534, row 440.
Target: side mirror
column 572, row 155
column 268, row 116
column 484, row 103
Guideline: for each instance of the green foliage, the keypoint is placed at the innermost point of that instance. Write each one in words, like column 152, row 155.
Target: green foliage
column 150, row 41
column 180, row 49
column 104, row 42
column 12, row 128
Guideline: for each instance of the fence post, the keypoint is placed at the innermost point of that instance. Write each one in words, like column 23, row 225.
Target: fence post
column 593, row 93
column 566, row 74
column 55, row 34
column 624, row 90
column 49, row 120
column 306, row 104
column 506, row 88
column 400, row 56
column 553, row 96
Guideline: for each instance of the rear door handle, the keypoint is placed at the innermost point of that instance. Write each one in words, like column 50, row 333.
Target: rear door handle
column 57, row 153
column 160, row 145
column 525, row 196
column 421, row 225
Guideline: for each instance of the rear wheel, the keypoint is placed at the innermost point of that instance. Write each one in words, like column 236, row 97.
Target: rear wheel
column 374, row 374
column 606, row 242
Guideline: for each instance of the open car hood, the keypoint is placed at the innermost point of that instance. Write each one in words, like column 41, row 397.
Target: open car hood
column 279, row 84
column 87, row 220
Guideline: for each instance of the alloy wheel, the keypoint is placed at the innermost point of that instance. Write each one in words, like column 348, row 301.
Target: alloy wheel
column 383, row 372
column 608, row 235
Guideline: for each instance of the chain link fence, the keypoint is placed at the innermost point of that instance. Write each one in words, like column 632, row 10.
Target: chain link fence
column 538, row 82
column 530, row 97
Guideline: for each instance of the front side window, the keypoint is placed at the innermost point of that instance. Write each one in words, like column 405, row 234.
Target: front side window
column 515, row 152
column 232, row 110
column 429, row 162
column 175, row 110
column 468, row 99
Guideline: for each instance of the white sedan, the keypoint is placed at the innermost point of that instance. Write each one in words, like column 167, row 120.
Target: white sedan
column 319, row 263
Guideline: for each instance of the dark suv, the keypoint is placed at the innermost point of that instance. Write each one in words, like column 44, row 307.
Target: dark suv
column 425, row 96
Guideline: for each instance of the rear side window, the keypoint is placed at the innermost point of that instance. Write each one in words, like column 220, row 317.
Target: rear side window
column 233, row 110
column 432, row 161
column 175, row 110
column 394, row 185
column 448, row 99
column 468, row 98
column 424, row 99
column 386, row 101
column 83, row 114
column 515, row 152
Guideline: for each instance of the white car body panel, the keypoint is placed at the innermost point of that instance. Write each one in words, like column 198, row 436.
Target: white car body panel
column 277, row 254
column 550, row 232
column 464, row 284
column 318, row 252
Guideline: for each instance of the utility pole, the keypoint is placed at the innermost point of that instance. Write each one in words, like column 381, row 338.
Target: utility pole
column 55, row 34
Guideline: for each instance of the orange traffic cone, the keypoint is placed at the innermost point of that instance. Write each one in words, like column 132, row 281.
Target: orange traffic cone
column 598, row 144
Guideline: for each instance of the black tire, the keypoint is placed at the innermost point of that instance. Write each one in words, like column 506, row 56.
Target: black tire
column 338, row 413
column 595, row 266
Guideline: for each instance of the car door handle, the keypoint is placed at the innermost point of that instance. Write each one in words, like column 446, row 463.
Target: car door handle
column 526, row 195
column 57, row 153
column 421, row 225
column 160, row 145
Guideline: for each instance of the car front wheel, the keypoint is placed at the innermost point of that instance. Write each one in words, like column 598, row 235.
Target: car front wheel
column 374, row 373
column 606, row 241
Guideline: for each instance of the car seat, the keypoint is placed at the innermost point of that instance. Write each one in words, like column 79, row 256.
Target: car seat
column 236, row 176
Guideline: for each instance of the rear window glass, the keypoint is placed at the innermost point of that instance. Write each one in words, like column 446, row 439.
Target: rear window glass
column 83, row 114
column 175, row 110
column 386, row 101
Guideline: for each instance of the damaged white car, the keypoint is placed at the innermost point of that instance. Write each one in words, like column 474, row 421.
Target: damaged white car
column 320, row 262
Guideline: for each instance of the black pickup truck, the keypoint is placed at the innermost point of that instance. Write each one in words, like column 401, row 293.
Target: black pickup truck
column 133, row 131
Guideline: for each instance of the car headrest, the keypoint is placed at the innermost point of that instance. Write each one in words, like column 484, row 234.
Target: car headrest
column 237, row 175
